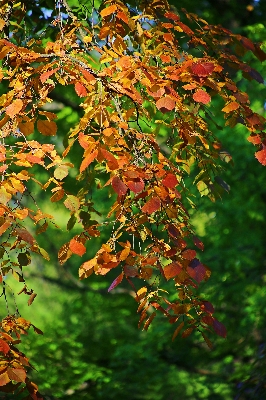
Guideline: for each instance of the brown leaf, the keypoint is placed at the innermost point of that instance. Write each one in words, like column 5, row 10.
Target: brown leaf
column 47, row 128
column 14, row 108
column 17, row 374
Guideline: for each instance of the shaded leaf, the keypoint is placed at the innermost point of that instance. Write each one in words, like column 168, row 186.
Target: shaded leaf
column 116, row 282
column 47, row 128
column 178, row 329
column 219, row 328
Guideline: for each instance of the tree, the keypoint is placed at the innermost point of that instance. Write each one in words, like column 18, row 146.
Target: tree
column 129, row 67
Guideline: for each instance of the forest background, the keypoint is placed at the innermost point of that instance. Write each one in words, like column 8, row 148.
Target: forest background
column 92, row 348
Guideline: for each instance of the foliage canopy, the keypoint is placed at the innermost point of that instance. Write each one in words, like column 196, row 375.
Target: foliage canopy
column 128, row 66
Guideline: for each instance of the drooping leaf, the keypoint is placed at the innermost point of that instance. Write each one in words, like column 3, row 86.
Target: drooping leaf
column 119, row 186
column 116, row 282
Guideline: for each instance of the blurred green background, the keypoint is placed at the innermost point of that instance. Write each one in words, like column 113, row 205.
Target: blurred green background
column 92, row 348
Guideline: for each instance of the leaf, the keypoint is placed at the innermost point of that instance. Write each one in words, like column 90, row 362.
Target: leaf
column 207, row 340
column 25, row 235
column 172, row 270
column 119, row 187
column 187, row 332
column 116, row 282
column 61, row 172
column 200, row 96
column 24, row 259
column 4, row 346
column 230, row 107
column 4, row 227
column 17, row 374
column 88, row 160
column 178, row 329
column 149, row 321
column 152, row 205
column 46, row 75
column 4, row 195
column 165, row 104
column 31, row 299
column 170, row 181
column 172, row 16
column 198, row 243
column 261, row 156
column 57, row 195
column 202, row 68
column 4, row 379
column 14, row 108
column 80, row 89
column 108, row 10
column 26, row 128
column 77, row 247
column 189, row 254
column 72, row 203
column 47, row 128
column 219, row 328
column 136, row 186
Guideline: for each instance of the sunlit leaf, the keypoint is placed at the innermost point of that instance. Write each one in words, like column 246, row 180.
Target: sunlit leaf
column 200, row 96
column 152, row 205
column 14, row 108
column 116, row 282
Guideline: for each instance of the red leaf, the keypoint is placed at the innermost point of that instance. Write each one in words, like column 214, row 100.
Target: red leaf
column 80, row 89
column 198, row 243
column 200, row 96
column 165, row 104
column 152, row 205
column 202, row 69
column 119, row 186
column 77, row 247
column 172, row 16
column 173, row 231
column 219, row 328
column 170, row 181
column 4, row 347
column 261, row 156
column 136, row 186
column 116, row 282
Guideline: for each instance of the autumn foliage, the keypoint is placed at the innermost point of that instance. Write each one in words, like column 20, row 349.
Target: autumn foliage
column 129, row 68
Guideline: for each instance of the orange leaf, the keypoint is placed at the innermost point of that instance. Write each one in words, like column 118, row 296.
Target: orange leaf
column 231, row 107
column 261, row 156
column 119, row 186
column 4, row 227
column 116, row 282
column 187, row 332
column 26, row 128
column 152, row 205
column 172, row 16
column 47, row 74
column 88, row 160
column 165, row 104
column 4, row 379
column 47, row 128
column 14, row 108
column 80, row 89
column 110, row 159
column 77, row 247
column 172, row 270
column 108, row 10
column 200, row 96
column 189, row 254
